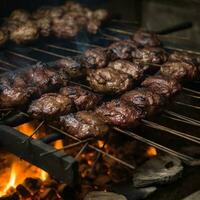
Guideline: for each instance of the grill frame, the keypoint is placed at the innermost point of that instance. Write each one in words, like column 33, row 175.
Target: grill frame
column 16, row 56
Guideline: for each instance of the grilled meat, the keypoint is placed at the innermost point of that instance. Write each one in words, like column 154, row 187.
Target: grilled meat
column 65, row 28
column 146, row 38
column 183, row 57
column 19, row 15
column 133, row 69
column 24, row 32
column 162, row 85
column 44, row 79
column 93, row 25
column 83, row 124
column 179, row 70
column 3, row 37
column 108, row 80
column 147, row 100
column 153, row 55
column 82, row 99
column 13, row 91
column 122, row 49
column 118, row 113
column 95, row 58
column 70, row 66
column 44, row 26
column 50, row 106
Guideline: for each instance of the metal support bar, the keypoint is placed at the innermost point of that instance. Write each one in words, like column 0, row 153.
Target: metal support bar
column 55, row 164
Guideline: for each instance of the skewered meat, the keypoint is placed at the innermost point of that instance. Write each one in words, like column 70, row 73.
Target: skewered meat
column 153, row 55
column 3, row 37
column 84, row 124
column 70, row 66
column 50, row 106
column 179, row 70
column 24, row 32
column 13, row 91
column 19, row 15
column 146, row 99
column 162, row 85
column 118, row 113
column 41, row 13
column 108, row 80
column 183, row 57
column 44, row 26
column 73, row 6
column 100, row 14
column 93, row 25
column 122, row 49
column 83, row 99
column 133, row 69
column 44, row 79
column 95, row 58
column 146, row 38
column 63, row 28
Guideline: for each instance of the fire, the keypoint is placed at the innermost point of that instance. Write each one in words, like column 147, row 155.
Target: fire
column 151, row 151
column 58, row 144
column 19, row 170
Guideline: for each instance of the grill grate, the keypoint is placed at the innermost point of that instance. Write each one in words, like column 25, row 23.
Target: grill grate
column 48, row 50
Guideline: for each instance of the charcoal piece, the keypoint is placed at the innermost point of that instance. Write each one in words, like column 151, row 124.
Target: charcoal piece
column 23, row 191
column 131, row 192
column 193, row 196
column 98, row 195
column 161, row 169
column 14, row 196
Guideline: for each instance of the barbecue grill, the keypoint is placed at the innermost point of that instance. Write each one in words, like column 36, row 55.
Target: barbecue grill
column 175, row 132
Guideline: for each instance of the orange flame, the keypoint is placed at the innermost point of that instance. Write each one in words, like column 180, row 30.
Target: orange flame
column 151, row 151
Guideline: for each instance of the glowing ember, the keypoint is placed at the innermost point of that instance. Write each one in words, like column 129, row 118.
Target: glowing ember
column 151, row 151
column 58, row 144
column 26, row 128
column 100, row 143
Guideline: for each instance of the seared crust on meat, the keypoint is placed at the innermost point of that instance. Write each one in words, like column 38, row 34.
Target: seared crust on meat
column 118, row 113
column 84, row 124
column 109, row 81
column 50, row 106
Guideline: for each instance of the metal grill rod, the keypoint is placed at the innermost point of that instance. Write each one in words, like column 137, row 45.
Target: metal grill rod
column 169, row 130
column 158, row 146
column 96, row 149
column 188, row 105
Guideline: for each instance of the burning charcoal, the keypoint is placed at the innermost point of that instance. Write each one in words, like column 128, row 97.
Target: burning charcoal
column 158, row 170
column 132, row 193
column 23, row 191
column 50, row 194
column 194, row 196
column 13, row 196
column 98, row 195
column 33, row 183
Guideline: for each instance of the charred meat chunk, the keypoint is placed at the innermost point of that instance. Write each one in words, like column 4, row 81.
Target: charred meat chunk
column 19, row 15
column 183, row 57
column 82, row 98
column 13, row 91
column 108, row 80
column 118, row 113
column 44, row 79
column 146, row 99
column 162, row 85
column 65, row 28
column 44, row 26
column 24, row 32
column 50, row 106
column 152, row 55
column 179, row 70
column 3, row 37
column 146, row 38
column 71, row 66
column 133, row 69
column 122, row 49
column 95, row 58
column 84, row 124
